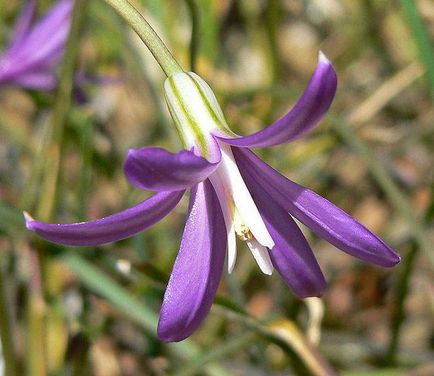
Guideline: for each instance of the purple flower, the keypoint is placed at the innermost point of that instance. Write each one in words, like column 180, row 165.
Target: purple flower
column 31, row 58
column 233, row 193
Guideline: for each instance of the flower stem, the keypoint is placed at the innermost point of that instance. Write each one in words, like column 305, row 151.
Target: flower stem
column 6, row 328
column 147, row 34
column 421, row 38
column 398, row 316
column 45, row 280
column 195, row 32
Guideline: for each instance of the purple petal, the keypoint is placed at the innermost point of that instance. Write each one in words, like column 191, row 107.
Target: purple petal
column 156, row 169
column 115, row 227
column 50, row 27
column 23, row 24
column 291, row 256
column 198, row 267
column 307, row 112
column 39, row 81
column 42, row 46
column 320, row 215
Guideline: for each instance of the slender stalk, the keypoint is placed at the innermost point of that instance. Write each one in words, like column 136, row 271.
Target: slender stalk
column 39, row 357
column 195, row 32
column 35, row 318
column 399, row 312
column 86, row 132
column 6, row 336
column 421, row 38
column 60, row 113
column 273, row 17
column 147, row 34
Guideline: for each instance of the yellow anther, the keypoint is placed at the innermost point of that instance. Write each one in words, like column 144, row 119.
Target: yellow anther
column 244, row 233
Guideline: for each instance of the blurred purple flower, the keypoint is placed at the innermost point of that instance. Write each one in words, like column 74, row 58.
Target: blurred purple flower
column 232, row 192
column 30, row 59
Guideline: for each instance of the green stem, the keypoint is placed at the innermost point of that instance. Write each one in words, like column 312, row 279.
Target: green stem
column 38, row 331
column 59, row 116
column 273, row 15
column 6, row 336
column 195, row 29
column 147, row 34
column 86, row 132
column 35, row 319
column 421, row 38
column 399, row 312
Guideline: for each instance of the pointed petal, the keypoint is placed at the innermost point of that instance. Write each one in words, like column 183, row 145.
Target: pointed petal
column 115, row 227
column 198, row 267
column 291, row 256
column 23, row 24
column 320, row 215
column 43, row 45
column 307, row 112
column 157, row 169
column 51, row 28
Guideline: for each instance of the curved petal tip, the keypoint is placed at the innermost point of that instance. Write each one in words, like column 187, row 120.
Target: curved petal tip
column 322, row 58
column 29, row 221
column 303, row 117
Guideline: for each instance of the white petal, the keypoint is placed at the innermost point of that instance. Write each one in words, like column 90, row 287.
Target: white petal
column 229, row 173
column 232, row 250
column 224, row 200
column 261, row 255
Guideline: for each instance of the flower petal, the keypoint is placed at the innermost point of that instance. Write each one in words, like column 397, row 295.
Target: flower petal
column 157, row 169
column 42, row 46
column 291, row 256
column 36, row 80
column 115, row 227
column 320, row 215
column 23, row 24
column 227, row 180
column 198, row 267
column 307, row 112
column 51, row 28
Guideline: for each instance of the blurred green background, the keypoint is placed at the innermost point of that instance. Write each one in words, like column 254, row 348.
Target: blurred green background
column 76, row 311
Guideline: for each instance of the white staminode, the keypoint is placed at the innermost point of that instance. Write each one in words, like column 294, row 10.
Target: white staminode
column 261, row 255
column 240, row 213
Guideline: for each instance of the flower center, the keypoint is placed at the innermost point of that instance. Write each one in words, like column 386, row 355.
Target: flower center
column 198, row 117
column 242, row 217
column 241, row 229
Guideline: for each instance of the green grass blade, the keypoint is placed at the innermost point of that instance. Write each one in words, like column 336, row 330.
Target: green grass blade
column 421, row 38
